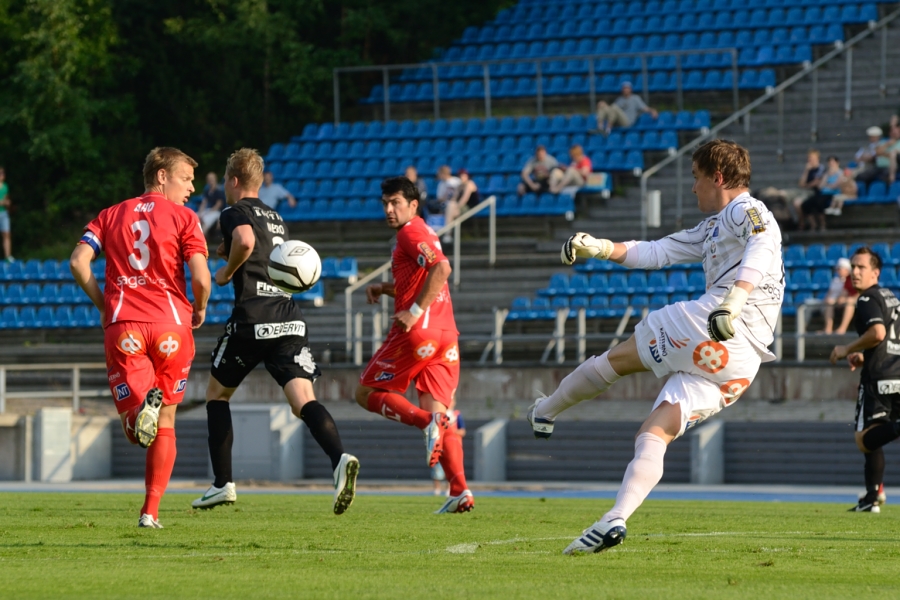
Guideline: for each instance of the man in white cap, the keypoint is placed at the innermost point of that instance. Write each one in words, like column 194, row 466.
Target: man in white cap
column 623, row 112
column 874, row 166
column 842, row 293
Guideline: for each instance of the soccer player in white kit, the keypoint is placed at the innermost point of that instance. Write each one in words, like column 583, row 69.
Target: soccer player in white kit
column 710, row 348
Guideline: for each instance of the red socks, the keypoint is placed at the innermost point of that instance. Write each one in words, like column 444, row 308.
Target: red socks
column 452, row 462
column 160, row 460
column 396, row 407
column 128, row 425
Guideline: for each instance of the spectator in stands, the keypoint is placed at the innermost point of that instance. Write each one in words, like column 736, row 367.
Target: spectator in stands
column 829, row 185
column 576, row 174
column 447, row 185
column 212, row 203
column 840, row 293
column 623, row 112
column 467, row 195
column 413, row 175
column 4, row 216
column 891, row 148
column 812, row 172
column 270, row 193
column 847, row 192
column 536, row 172
column 873, row 166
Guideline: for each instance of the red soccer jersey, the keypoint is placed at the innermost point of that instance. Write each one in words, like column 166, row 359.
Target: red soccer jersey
column 147, row 241
column 417, row 250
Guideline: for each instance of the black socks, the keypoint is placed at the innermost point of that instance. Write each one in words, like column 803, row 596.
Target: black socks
column 874, row 471
column 323, row 429
column 221, row 438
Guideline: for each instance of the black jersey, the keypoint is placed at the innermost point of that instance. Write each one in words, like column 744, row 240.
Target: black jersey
column 256, row 299
column 877, row 305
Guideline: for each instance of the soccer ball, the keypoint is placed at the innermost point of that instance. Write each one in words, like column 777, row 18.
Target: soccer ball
column 294, row 266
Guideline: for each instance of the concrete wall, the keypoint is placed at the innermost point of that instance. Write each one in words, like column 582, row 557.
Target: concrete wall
column 91, row 447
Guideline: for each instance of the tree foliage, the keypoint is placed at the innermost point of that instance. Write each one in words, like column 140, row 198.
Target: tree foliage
column 89, row 86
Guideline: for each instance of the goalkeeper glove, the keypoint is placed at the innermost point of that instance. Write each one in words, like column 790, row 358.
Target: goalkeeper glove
column 582, row 245
column 719, row 323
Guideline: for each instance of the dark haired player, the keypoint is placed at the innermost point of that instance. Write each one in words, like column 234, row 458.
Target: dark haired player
column 877, row 351
column 423, row 342
column 265, row 325
column 710, row 348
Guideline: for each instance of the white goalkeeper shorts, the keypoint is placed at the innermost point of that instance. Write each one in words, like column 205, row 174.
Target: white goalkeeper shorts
column 706, row 376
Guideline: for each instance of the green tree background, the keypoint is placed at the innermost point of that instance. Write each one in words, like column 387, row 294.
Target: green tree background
column 90, row 86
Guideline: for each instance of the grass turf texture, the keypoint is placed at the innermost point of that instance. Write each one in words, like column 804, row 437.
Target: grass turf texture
column 88, row 545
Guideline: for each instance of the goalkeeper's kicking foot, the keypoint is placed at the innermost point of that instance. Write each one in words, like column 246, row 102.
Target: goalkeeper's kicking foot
column 345, row 483
column 149, row 522
column 215, row 496
column 145, row 425
column 543, row 428
column 458, row 504
column 598, row 537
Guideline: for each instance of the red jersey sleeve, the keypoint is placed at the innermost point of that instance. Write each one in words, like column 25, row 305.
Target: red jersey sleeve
column 94, row 233
column 422, row 245
column 192, row 239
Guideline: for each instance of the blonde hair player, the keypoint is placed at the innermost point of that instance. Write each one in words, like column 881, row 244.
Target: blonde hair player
column 710, row 348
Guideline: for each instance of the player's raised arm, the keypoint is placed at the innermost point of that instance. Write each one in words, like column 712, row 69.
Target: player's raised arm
column 682, row 247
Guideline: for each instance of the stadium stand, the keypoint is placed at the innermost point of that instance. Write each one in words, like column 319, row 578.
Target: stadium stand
column 43, row 295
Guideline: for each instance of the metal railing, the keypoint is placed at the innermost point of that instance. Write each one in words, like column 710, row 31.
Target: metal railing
column 75, row 392
column 777, row 92
column 591, row 59
column 353, row 325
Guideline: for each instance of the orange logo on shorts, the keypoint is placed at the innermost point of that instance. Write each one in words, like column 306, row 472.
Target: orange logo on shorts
column 711, row 357
column 426, row 350
column 733, row 389
column 451, row 354
column 168, row 345
column 131, row 342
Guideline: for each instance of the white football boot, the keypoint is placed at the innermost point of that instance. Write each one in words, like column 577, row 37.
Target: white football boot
column 145, row 425
column 149, row 522
column 215, row 496
column 434, row 437
column 543, row 428
column 598, row 537
column 345, row 483
column 458, row 504
column 882, row 497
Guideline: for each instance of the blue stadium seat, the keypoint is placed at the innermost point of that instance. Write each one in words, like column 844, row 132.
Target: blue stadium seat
column 696, row 282
column 821, row 279
column 9, row 318
column 677, row 281
column 794, row 256
column 798, row 280
column 815, row 256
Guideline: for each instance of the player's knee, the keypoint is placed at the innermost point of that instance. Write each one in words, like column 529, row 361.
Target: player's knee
column 362, row 396
column 860, row 443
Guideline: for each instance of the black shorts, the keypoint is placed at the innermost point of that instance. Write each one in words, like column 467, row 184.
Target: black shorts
column 878, row 402
column 282, row 346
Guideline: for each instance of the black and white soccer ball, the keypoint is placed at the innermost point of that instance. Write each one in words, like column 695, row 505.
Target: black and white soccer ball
column 294, row 266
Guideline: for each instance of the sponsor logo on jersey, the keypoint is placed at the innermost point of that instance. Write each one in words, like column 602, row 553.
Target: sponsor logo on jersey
column 710, row 357
column 889, row 386
column 426, row 251
column 264, row 289
column 421, row 260
column 305, row 360
column 451, row 355
column 114, row 376
column 278, row 229
column 131, row 342
column 136, row 281
column 425, row 350
column 168, row 345
column 732, row 390
column 268, row 331
column 267, row 214
column 179, row 386
column 715, row 232
column 385, row 363
column 654, row 351
column 757, row 225
column 383, row 376
column 122, row 391
column 660, row 345
column 893, row 348
column 878, row 415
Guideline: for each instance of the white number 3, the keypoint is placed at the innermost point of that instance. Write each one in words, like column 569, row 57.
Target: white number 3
column 142, row 259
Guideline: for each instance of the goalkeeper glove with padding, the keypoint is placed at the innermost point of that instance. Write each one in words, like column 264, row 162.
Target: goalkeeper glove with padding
column 720, row 324
column 582, row 245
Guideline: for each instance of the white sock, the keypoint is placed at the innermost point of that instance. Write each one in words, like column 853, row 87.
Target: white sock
column 641, row 476
column 592, row 377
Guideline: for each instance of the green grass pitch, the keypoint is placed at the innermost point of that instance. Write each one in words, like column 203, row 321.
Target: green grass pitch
column 88, row 545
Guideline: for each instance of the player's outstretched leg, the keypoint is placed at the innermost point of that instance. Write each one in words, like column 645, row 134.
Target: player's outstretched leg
column 397, row 408
column 460, row 499
column 641, row 476
column 592, row 377
column 160, row 461
column 220, row 440
column 145, row 423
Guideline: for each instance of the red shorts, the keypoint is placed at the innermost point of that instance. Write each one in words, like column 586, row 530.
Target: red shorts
column 141, row 356
column 430, row 356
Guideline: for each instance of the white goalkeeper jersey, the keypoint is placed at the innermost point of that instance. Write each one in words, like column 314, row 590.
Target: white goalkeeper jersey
column 745, row 235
